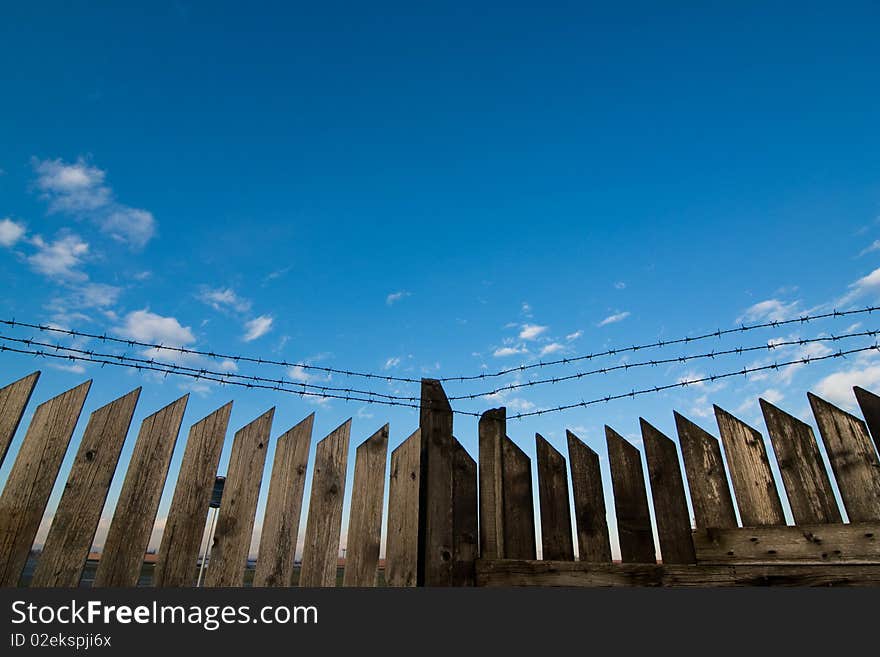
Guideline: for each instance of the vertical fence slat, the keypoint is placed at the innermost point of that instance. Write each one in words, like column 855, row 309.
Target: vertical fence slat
column 707, row 480
column 324, row 523
column 852, row 458
column 365, row 512
column 556, row 538
column 402, row 540
column 806, row 481
column 667, row 491
column 492, row 431
column 870, row 405
column 14, row 399
column 519, row 503
column 275, row 561
column 238, row 507
column 76, row 520
column 594, row 543
column 32, row 478
column 753, row 483
column 185, row 525
column 129, row 535
column 630, row 500
column 465, row 512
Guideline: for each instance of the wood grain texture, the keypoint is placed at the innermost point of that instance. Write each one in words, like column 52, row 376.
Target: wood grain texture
column 275, row 561
column 32, row 478
column 556, row 539
column 465, row 516
column 756, row 495
column 135, row 513
column 519, row 503
column 185, row 524
column 580, row 573
column 869, row 403
column 365, row 512
column 853, row 459
column 667, row 491
column 76, row 520
column 806, row 481
column 707, row 480
column 238, row 507
column 402, row 536
column 630, row 501
column 492, row 431
column 324, row 524
column 825, row 543
column 594, row 543
column 14, row 399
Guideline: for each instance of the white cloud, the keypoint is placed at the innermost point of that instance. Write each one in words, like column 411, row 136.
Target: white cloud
column 519, row 404
column 146, row 326
column 59, row 258
column 772, row 395
column 619, row 285
column 130, row 225
column 552, row 348
column 613, row 319
column 394, row 297
column 95, row 295
column 509, row 351
column 771, row 310
column 224, row 298
column 10, row 232
column 869, row 284
column 228, row 366
column 837, row 387
column 692, row 379
column 531, row 331
column 391, row 362
column 526, row 309
column 299, row 374
column 574, row 336
column 257, row 327
column 874, row 246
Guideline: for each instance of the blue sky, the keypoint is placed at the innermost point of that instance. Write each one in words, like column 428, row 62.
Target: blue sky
column 441, row 190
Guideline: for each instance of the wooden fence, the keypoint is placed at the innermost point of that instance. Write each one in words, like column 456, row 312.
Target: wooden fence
column 449, row 522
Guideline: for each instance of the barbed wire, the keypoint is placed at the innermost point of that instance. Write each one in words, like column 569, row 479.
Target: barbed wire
column 236, row 358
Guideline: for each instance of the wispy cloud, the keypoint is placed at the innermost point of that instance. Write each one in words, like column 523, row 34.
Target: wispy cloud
column 394, row 297
column 391, row 362
column 146, row 326
column 770, row 310
column 620, row 285
column 10, row 232
column 552, row 348
column 873, row 246
column 837, row 387
column 613, row 319
column 224, row 299
column 531, row 331
column 257, row 327
column 501, row 352
column 869, row 284
column 574, row 336
column 59, row 258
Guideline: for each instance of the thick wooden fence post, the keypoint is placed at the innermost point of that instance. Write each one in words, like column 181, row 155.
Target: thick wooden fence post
column 556, row 540
column 402, row 546
column 13, row 400
column 630, row 500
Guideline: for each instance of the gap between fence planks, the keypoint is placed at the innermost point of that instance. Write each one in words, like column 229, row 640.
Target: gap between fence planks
column 75, row 522
column 275, row 561
column 235, row 522
column 556, row 539
column 402, row 536
column 185, row 524
column 129, row 535
column 630, row 501
column 594, row 543
column 14, row 399
column 32, row 478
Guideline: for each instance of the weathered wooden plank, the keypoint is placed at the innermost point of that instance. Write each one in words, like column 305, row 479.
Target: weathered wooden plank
column 670, row 503
column 185, row 525
column 135, row 513
column 402, row 537
column 825, row 543
column 79, row 511
column 32, row 477
column 870, row 405
column 756, row 495
column 436, row 524
column 284, row 507
column 707, row 480
column 630, row 500
column 853, row 459
column 594, row 543
column 492, row 432
column 14, row 399
column 324, row 523
column 556, row 538
column 581, row 573
column 365, row 513
column 235, row 520
column 465, row 514
column 803, row 473
column 519, row 503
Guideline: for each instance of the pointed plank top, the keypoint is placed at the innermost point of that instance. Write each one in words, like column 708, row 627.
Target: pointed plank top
column 573, row 440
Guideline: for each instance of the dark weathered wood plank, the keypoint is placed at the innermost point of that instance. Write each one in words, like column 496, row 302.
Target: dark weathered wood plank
column 806, row 481
column 32, row 477
column 275, row 561
column 324, row 524
column 853, row 459
column 870, row 405
column 756, row 495
column 594, row 543
column 238, row 508
column 402, row 538
column 556, row 538
column 630, row 500
column 365, row 512
column 707, row 480
column 670, row 503
column 135, row 513
column 465, row 515
column 581, row 573
column 79, row 511
column 492, row 430
column 185, row 525
column 519, row 503
column 436, row 524
column 14, row 399
column 825, row 543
